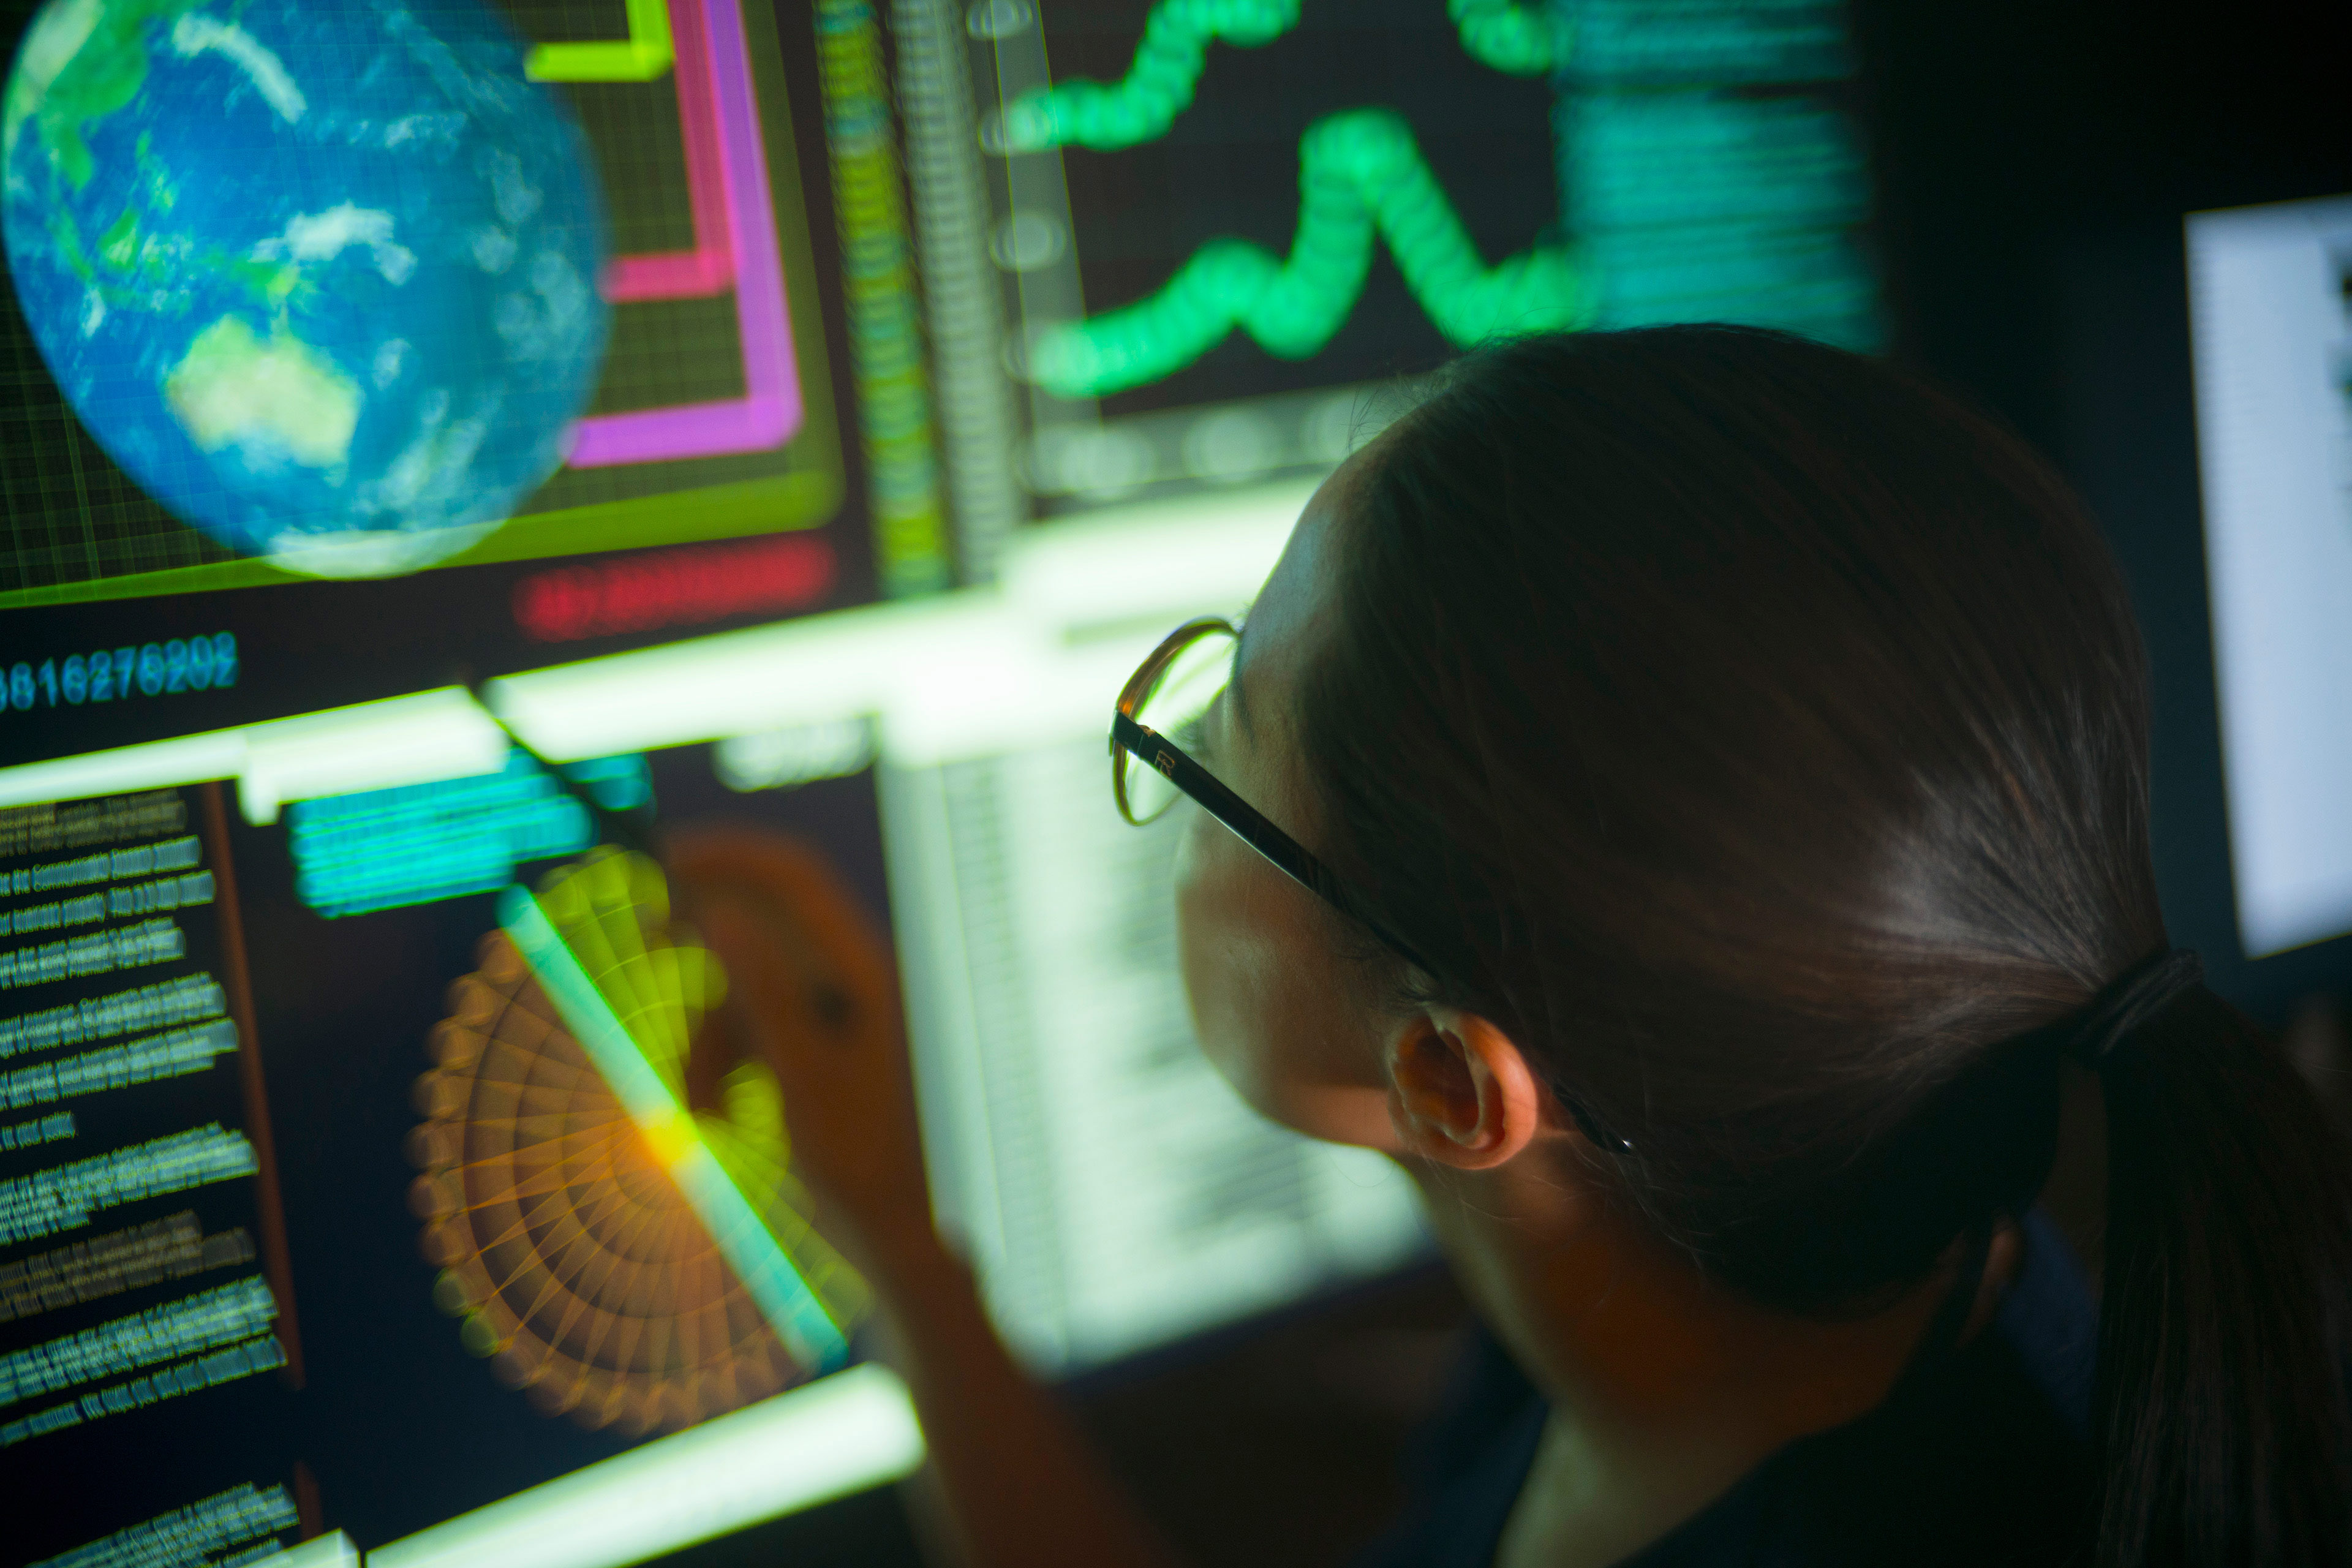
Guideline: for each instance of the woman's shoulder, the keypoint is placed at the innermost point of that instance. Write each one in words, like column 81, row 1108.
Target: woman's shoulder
column 1979, row 1458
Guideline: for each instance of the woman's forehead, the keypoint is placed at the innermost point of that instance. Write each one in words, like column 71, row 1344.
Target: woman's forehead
column 1302, row 586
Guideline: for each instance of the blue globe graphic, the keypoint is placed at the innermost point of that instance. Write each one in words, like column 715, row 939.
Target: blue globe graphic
column 321, row 277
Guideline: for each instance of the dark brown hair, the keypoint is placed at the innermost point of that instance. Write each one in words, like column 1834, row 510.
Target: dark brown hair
column 1761, row 738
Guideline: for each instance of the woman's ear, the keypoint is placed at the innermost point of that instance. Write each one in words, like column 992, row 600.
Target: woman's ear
column 1460, row 1090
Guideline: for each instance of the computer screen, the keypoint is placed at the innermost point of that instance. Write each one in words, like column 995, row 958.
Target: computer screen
column 435, row 432
column 2271, row 323
column 1196, row 239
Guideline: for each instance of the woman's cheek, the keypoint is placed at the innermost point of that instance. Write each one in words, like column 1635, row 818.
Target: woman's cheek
column 1205, row 933
column 1223, row 952
column 1267, row 1004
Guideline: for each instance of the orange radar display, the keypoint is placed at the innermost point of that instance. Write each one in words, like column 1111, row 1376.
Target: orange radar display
column 607, row 1196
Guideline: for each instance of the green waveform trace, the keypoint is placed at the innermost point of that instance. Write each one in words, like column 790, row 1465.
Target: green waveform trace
column 1157, row 85
column 1361, row 175
column 1502, row 35
column 1507, row 36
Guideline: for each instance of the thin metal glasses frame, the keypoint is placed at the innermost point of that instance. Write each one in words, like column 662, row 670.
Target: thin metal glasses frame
column 1157, row 752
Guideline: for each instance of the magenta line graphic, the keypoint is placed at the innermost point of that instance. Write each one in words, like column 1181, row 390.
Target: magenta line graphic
column 769, row 410
column 709, row 268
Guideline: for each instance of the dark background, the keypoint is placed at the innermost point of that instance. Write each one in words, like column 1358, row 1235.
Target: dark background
column 2034, row 161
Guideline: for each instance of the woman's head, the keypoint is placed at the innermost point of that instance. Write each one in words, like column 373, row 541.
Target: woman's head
column 1751, row 737
column 1749, row 733
column 1756, row 737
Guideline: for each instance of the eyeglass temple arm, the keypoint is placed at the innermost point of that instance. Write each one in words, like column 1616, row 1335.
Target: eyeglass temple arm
column 1252, row 829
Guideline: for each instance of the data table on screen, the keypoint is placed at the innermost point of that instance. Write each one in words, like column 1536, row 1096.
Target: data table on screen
column 1114, row 1191
column 146, row 1285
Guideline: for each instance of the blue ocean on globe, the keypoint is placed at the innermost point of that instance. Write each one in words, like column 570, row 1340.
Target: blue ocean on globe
column 321, row 275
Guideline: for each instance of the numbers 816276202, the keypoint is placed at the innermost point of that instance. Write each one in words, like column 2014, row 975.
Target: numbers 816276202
column 110, row 675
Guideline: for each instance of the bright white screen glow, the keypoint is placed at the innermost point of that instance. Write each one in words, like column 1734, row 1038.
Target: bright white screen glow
column 2272, row 322
column 838, row 1434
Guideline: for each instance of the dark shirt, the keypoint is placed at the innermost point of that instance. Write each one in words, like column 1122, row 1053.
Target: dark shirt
column 1978, row 1457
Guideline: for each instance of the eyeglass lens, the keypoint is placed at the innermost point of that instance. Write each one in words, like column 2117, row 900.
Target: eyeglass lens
column 1173, row 707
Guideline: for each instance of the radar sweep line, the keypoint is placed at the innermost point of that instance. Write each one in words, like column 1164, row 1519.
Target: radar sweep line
column 1360, row 173
column 782, row 1293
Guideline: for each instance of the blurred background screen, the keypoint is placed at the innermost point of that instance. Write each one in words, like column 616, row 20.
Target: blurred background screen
column 806, row 415
column 2271, row 307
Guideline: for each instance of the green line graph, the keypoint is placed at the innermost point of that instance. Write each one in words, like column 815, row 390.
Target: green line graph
column 1361, row 175
column 1501, row 34
column 1159, row 83
column 1505, row 36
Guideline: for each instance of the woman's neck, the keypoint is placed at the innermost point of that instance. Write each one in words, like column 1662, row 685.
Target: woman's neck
column 1664, row 1389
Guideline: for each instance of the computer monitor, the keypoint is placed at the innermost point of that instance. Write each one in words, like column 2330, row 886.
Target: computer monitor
column 405, row 1280
column 2271, row 322
column 1200, row 248
column 877, row 454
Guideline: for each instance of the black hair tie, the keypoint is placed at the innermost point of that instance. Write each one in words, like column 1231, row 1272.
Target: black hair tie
column 1590, row 1125
column 2132, row 999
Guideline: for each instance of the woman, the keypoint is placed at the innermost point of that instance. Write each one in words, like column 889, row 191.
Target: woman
column 1711, row 773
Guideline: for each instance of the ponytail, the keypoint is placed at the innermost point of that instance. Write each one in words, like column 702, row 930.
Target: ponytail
column 1761, row 739
column 2220, row 1404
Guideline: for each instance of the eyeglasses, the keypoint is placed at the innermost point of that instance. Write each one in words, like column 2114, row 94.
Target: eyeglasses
column 1168, row 695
